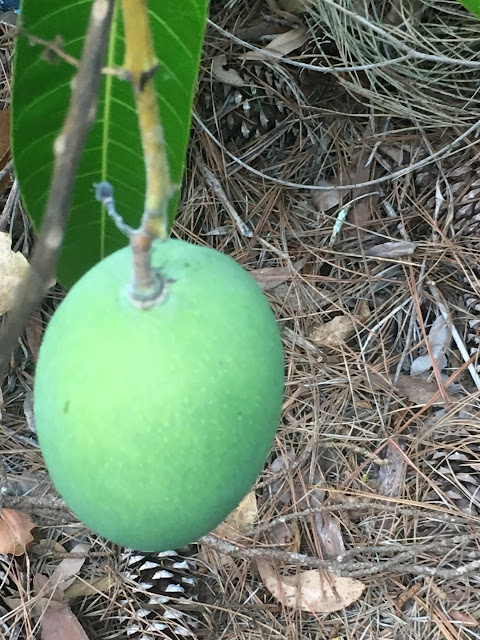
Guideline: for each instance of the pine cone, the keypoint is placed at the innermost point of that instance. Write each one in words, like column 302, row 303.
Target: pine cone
column 251, row 107
column 456, row 470
column 11, row 579
column 160, row 583
column 464, row 182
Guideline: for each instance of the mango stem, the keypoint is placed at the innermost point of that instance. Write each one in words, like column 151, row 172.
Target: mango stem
column 140, row 66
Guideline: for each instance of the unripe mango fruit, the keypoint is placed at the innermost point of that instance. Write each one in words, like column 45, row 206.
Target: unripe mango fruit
column 155, row 423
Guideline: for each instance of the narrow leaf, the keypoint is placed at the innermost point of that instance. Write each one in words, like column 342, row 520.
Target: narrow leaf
column 472, row 5
column 113, row 152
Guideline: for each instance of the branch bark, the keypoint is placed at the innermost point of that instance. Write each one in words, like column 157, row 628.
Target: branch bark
column 68, row 149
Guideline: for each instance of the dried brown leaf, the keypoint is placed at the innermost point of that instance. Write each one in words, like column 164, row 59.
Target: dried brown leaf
column 282, row 44
column 281, row 463
column 34, row 333
column 333, row 333
column 439, row 338
column 466, row 619
column 313, row 591
column 326, row 199
column 391, row 250
column 15, row 532
column 13, row 268
column 391, row 476
column 394, row 152
column 293, row 6
column 224, row 75
column 329, row 535
column 271, row 277
column 82, row 588
column 417, row 390
column 66, row 572
column 57, row 621
column 361, row 209
column 47, row 545
column 337, row 331
column 49, row 594
column 239, row 520
column 285, row 535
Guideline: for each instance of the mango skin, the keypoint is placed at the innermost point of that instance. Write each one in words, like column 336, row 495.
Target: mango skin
column 155, row 423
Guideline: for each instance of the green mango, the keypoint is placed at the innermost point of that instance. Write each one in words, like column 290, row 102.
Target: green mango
column 155, row 423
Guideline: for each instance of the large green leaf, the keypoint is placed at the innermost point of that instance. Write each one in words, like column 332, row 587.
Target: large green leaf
column 41, row 94
column 472, row 5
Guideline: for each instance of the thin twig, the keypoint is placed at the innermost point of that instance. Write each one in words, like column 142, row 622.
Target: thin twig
column 410, row 54
column 216, row 187
column 68, row 149
column 354, row 569
column 448, row 150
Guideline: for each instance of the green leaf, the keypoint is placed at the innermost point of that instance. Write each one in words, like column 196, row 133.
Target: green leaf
column 41, row 94
column 472, row 5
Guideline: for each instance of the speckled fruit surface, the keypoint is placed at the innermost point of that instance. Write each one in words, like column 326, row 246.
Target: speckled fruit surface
column 155, row 423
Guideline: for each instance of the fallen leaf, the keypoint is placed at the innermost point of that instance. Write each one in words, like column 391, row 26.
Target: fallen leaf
column 271, row 277
column 287, row 42
column 56, row 619
column 15, row 532
column 59, row 623
column 47, row 592
column 466, row 619
column 394, row 152
column 258, row 29
column 28, row 412
column 362, row 200
column 419, row 391
column 391, row 250
column 282, row 44
column 333, row 333
column 391, row 476
column 439, row 338
column 47, row 545
column 337, row 331
column 294, row 6
column 66, row 572
column 285, row 535
column 314, row 591
column 239, row 520
column 13, row 268
column 329, row 535
column 280, row 463
column 34, row 333
column 82, row 588
column 326, row 199
column 232, row 528
column 224, row 75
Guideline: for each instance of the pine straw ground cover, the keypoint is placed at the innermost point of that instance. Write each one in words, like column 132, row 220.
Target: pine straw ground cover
column 375, row 471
